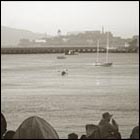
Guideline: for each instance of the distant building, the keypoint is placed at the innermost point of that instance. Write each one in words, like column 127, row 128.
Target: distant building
column 40, row 41
column 65, row 39
column 126, row 45
column 86, row 38
column 24, row 42
column 74, row 33
column 89, row 41
column 93, row 32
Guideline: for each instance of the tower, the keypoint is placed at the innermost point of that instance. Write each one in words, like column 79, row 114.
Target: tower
column 59, row 32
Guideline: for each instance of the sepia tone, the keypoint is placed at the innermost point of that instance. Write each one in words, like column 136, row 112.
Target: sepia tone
column 70, row 70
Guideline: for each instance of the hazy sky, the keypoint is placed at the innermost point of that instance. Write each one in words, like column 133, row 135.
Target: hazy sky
column 121, row 18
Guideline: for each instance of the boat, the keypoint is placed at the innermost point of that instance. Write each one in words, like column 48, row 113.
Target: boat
column 61, row 57
column 71, row 52
column 106, row 63
column 103, row 64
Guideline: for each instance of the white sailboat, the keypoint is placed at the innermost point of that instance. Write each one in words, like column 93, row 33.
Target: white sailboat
column 106, row 63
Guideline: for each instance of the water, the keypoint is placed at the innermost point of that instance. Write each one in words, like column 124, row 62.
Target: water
column 33, row 85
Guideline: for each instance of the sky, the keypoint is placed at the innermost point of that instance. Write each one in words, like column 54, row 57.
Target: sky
column 121, row 18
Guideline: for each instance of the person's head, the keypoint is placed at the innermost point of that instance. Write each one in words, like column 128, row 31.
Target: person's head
column 72, row 136
column 35, row 128
column 9, row 134
column 135, row 133
column 83, row 137
column 3, row 125
column 107, row 116
column 90, row 128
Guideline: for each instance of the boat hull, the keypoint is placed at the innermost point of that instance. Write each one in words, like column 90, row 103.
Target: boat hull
column 61, row 57
column 103, row 64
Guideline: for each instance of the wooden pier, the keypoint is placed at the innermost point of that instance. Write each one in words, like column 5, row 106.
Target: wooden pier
column 61, row 49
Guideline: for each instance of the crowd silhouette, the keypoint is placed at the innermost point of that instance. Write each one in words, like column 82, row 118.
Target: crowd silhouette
column 37, row 128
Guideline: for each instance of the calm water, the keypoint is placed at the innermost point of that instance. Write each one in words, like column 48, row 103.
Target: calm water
column 33, row 85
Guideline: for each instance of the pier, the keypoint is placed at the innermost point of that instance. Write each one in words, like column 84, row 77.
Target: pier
column 62, row 49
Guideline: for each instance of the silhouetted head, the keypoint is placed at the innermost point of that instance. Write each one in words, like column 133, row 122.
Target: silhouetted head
column 35, row 128
column 72, row 136
column 3, row 125
column 107, row 116
column 83, row 137
column 9, row 134
column 135, row 133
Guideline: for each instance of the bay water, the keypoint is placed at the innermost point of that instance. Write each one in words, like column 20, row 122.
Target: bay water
column 32, row 85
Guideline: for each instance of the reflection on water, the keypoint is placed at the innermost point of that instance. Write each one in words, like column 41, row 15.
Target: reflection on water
column 33, row 85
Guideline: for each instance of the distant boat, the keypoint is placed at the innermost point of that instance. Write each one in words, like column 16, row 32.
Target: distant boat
column 71, row 52
column 106, row 63
column 61, row 57
column 63, row 73
column 103, row 64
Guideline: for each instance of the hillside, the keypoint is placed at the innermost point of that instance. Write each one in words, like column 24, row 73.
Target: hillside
column 11, row 36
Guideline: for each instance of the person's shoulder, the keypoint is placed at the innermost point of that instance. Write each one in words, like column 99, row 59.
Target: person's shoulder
column 101, row 121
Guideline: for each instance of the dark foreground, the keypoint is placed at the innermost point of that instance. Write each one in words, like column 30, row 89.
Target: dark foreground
column 37, row 128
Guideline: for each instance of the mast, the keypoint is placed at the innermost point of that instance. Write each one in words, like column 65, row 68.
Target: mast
column 107, row 47
column 97, row 58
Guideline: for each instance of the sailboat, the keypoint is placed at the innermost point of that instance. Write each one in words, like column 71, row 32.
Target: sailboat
column 106, row 63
